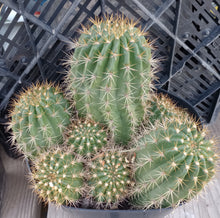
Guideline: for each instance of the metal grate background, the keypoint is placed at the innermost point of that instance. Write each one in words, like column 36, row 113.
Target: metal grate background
column 188, row 40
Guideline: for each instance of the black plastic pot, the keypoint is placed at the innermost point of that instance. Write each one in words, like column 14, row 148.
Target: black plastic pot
column 93, row 213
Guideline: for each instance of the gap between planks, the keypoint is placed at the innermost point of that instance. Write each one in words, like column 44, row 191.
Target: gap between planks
column 18, row 199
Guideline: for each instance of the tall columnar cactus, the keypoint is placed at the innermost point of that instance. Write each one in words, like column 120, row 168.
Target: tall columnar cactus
column 58, row 177
column 109, row 177
column 38, row 118
column 86, row 137
column 174, row 161
column 111, row 74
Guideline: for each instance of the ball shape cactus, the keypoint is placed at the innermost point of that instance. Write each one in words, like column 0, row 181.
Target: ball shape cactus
column 111, row 73
column 58, row 177
column 174, row 161
column 161, row 106
column 86, row 137
column 109, row 177
column 39, row 117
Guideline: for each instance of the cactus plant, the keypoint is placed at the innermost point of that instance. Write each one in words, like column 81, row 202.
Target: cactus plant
column 38, row 118
column 86, row 137
column 57, row 177
column 174, row 161
column 161, row 106
column 109, row 177
column 111, row 72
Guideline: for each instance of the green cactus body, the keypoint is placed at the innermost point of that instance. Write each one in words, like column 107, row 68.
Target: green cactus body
column 160, row 106
column 110, row 74
column 174, row 161
column 86, row 138
column 39, row 118
column 58, row 177
column 110, row 177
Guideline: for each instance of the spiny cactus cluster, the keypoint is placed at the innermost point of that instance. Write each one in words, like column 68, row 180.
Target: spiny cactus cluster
column 111, row 73
column 58, row 177
column 110, row 83
column 174, row 162
column 38, row 118
column 109, row 177
column 86, row 137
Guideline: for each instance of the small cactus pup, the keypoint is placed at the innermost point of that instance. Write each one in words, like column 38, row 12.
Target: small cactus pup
column 58, row 177
column 86, row 137
column 39, row 117
column 161, row 106
column 109, row 178
column 174, row 161
column 111, row 73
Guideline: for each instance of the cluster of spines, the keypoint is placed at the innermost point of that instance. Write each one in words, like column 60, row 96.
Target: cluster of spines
column 86, row 137
column 174, row 162
column 113, row 70
column 58, row 177
column 39, row 117
column 108, row 27
column 160, row 106
column 109, row 177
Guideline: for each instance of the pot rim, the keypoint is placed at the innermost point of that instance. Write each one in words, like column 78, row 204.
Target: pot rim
column 116, row 211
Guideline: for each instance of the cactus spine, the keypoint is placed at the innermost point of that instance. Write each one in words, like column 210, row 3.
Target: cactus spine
column 109, row 177
column 86, row 137
column 58, row 177
column 174, row 162
column 38, row 119
column 110, row 74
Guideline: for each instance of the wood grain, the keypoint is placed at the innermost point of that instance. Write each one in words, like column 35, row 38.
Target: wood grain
column 18, row 199
column 2, row 182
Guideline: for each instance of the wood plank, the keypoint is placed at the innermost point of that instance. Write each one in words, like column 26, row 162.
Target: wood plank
column 2, row 182
column 19, row 201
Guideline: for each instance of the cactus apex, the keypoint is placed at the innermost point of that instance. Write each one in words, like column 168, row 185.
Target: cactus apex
column 86, row 137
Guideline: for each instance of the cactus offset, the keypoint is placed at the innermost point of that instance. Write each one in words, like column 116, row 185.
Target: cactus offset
column 58, row 177
column 174, row 162
column 111, row 74
column 86, row 137
column 160, row 106
column 109, row 177
column 38, row 119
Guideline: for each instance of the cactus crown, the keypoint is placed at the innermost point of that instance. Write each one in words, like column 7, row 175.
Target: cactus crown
column 174, row 162
column 114, row 26
column 86, row 137
column 109, row 177
column 58, row 177
column 38, row 118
